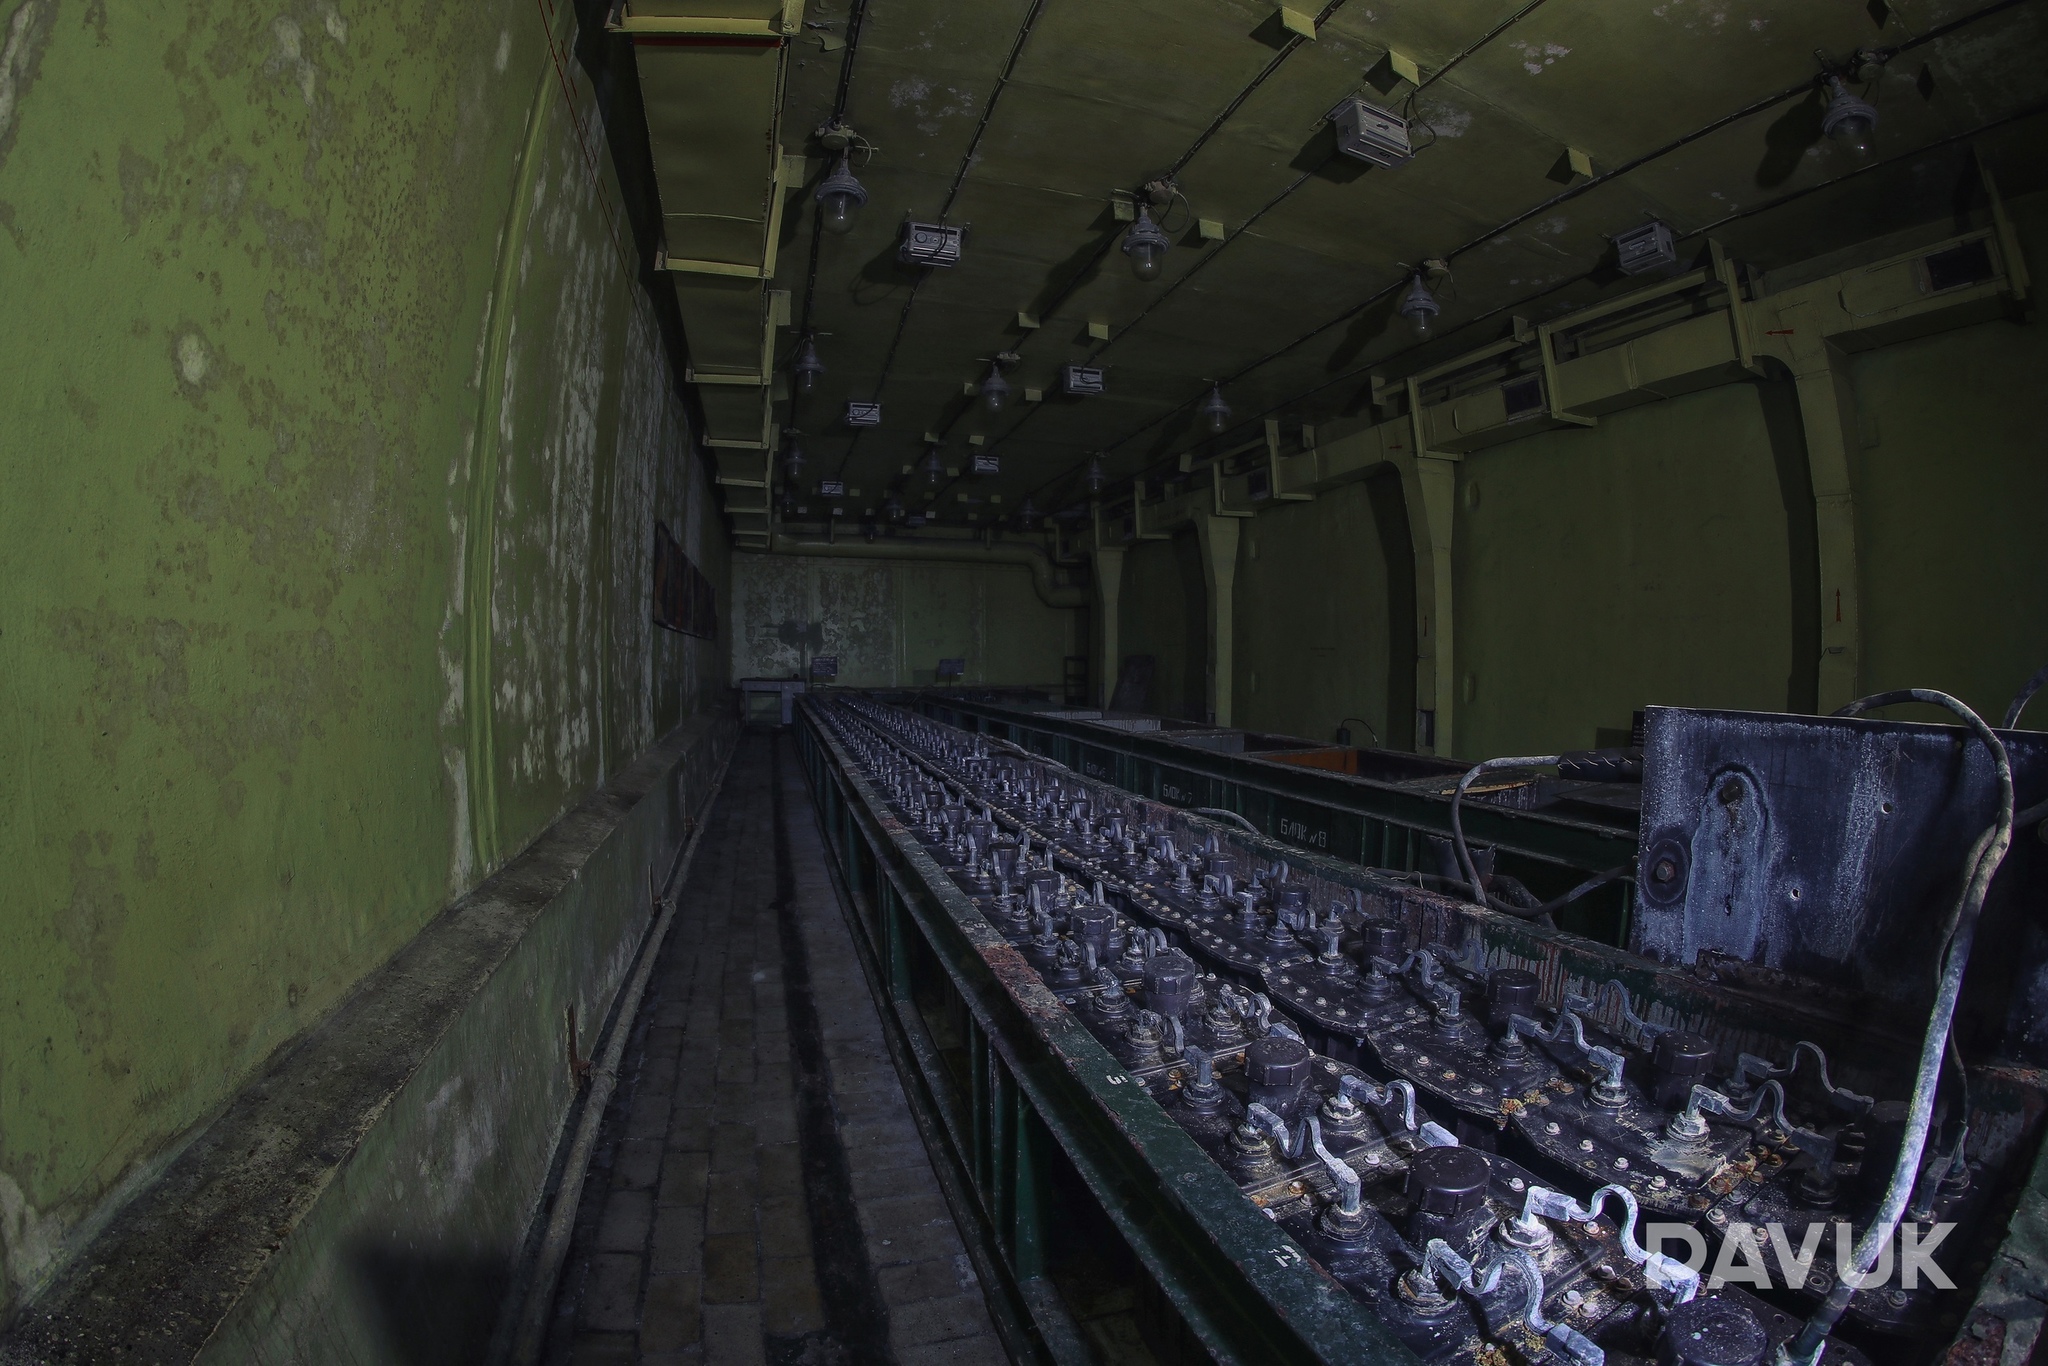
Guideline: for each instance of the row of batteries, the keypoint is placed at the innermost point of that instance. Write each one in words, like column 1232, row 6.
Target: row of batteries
column 1173, row 957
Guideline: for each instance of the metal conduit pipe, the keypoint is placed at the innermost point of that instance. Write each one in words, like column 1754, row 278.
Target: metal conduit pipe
column 1050, row 592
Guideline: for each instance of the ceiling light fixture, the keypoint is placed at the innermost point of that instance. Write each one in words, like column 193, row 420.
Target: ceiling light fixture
column 1420, row 308
column 1096, row 478
column 892, row 507
column 1214, row 411
column 840, row 194
column 808, row 367
column 1146, row 244
column 1027, row 515
column 792, row 461
column 931, row 467
column 995, row 390
column 1850, row 121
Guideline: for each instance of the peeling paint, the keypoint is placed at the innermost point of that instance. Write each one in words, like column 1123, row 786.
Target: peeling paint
column 245, row 559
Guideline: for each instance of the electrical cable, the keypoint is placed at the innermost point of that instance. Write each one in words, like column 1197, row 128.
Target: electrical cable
column 1363, row 722
column 1979, row 867
column 2021, row 698
column 1550, row 907
column 1465, row 862
column 1221, row 814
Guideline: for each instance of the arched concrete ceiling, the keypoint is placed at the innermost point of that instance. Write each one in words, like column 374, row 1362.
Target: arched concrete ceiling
column 1020, row 119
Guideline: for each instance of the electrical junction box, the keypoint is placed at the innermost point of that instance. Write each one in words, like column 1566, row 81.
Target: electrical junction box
column 1366, row 132
column 987, row 464
column 930, row 244
column 831, row 488
column 1081, row 379
column 1644, row 249
column 863, row 414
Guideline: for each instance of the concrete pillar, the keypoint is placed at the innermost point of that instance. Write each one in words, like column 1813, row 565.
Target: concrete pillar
column 1219, row 574
column 1827, row 412
column 1433, row 491
column 1109, row 584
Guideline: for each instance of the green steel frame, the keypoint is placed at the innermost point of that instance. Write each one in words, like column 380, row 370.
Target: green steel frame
column 1044, row 1143
column 1040, row 1133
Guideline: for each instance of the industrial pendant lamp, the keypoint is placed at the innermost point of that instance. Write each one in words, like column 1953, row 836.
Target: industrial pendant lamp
column 792, row 461
column 808, row 367
column 1146, row 245
column 1215, row 412
column 1095, row 475
column 1850, row 121
column 840, row 195
column 995, row 390
column 1027, row 515
column 892, row 507
column 1420, row 308
column 931, row 467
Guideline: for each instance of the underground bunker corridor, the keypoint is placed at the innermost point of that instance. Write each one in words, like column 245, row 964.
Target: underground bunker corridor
column 1076, row 682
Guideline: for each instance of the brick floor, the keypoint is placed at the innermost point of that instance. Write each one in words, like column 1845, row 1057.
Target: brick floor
column 698, row 1239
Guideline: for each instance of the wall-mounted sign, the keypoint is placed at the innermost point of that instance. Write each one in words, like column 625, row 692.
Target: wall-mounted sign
column 863, row 414
column 952, row 668
column 824, row 666
column 987, row 464
column 831, row 488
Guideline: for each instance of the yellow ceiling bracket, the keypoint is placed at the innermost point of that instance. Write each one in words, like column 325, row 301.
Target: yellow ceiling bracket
column 1299, row 21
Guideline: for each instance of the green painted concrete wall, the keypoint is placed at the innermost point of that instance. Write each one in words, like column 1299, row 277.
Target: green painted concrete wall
column 890, row 622
column 1953, row 508
column 1319, row 602
column 1643, row 560
column 1163, row 613
column 338, row 421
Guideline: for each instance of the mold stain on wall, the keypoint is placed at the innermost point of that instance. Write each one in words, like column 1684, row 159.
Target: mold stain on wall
column 292, row 290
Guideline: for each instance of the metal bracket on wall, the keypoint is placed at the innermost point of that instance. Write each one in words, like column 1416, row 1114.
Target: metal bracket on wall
column 1738, row 309
column 2015, row 261
column 1280, row 492
column 1548, row 355
column 622, row 19
column 1138, row 531
column 1216, row 487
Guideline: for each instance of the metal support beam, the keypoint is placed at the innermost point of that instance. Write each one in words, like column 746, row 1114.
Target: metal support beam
column 1218, row 536
column 1827, row 411
column 1109, row 582
column 1429, row 481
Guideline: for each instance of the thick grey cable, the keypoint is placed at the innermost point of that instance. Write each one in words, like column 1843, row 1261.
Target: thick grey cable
column 532, row 1330
column 1985, row 856
column 2024, row 696
column 1221, row 814
column 1465, row 862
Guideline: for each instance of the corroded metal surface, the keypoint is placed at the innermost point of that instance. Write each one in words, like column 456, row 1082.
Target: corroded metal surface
column 962, row 807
